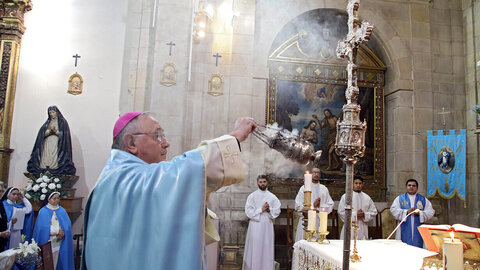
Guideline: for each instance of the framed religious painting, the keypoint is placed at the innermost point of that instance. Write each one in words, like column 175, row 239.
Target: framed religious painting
column 306, row 94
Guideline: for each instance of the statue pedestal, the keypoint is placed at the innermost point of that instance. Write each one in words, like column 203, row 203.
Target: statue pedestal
column 72, row 205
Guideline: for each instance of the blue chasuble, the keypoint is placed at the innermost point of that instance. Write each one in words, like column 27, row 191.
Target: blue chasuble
column 41, row 234
column 146, row 216
column 27, row 223
column 406, row 227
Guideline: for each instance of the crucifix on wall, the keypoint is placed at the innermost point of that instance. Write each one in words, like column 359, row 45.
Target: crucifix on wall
column 444, row 113
column 76, row 56
column 216, row 58
column 170, row 44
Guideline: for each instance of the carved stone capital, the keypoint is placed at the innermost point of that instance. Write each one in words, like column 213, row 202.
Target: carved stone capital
column 11, row 18
column 14, row 8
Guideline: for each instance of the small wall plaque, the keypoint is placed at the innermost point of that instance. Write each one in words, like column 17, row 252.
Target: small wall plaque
column 75, row 84
column 215, row 85
column 169, row 74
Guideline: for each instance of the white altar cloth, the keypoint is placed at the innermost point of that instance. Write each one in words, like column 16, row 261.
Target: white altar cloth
column 7, row 258
column 376, row 254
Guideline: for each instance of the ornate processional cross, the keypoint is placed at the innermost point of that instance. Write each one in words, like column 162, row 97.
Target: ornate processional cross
column 350, row 139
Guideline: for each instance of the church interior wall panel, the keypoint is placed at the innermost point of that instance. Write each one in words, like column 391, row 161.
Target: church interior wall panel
column 39, row 88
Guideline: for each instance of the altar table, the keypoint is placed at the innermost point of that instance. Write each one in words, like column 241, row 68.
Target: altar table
column 376, row 254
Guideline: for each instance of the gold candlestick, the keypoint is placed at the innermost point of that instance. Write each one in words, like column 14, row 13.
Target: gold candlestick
column 355, row 257
column 323, row 237
column 307, row 202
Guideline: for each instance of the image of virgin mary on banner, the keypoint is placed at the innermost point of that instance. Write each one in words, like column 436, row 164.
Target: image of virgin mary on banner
column 446, row 164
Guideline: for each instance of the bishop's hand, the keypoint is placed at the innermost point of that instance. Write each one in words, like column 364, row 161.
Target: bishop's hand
column 243, row 127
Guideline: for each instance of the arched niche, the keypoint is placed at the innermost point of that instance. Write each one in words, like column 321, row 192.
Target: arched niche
column 306, row 78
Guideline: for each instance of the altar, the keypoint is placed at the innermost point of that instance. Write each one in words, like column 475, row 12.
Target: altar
column 376, row 254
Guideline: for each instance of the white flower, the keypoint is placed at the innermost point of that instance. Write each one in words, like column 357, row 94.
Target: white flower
column 44, row 177
column 43, row 185
column 56, row 180
column 44, row 190
column 39, row 180
column 28, row 196
column 35, row 188
column 30, row 181
column 42, row 197
column 59, row 186
column 47, row 180
column 34, row 245
column 29, row 187
column 51, row 186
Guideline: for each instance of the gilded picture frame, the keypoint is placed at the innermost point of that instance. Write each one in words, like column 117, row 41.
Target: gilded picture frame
column 169, row 74
column 215, row 85
column 75, row 84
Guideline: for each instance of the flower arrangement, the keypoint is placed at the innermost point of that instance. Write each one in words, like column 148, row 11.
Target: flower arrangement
column 28, row 255
column 476, row 109
column 37, row 189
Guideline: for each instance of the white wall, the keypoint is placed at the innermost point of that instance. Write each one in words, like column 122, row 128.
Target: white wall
column 56, row 30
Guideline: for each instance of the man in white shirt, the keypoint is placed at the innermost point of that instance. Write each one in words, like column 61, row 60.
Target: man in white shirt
column 262, row 207
column 320, row 200
column 363, row 210
column 405, row 204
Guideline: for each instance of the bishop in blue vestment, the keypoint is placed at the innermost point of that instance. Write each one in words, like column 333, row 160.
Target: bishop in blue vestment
column 147, row 213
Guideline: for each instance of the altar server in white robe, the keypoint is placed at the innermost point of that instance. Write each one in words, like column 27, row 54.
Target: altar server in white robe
column 363, row 209
column 149, row 213
column 320, row 200
column 405, row 204
column 262, row 207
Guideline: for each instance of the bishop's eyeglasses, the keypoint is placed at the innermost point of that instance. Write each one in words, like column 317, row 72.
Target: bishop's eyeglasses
column 160, row 137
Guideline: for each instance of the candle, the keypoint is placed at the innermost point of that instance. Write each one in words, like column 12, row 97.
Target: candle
column 452, row 253
column 312, row 219
column 323, row 221
column 308, row 181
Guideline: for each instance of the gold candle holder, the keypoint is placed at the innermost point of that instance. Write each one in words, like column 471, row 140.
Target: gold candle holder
column 310, row 237
column 323, row 237
column 355, row 257
column 307, row 202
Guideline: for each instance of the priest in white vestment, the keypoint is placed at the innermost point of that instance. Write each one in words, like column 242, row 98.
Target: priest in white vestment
column 405, row 204
column 363, row 209
column 320, row 200
column 149, row 213
column 262, row 207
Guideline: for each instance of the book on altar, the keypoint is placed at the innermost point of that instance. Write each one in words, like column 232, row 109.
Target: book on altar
column 433, row 236
column 18, row 213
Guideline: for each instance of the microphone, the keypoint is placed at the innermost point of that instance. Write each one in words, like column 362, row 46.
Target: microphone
column 403, row 220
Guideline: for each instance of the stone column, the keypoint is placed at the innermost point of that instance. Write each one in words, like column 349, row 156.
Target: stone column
column 11, row 31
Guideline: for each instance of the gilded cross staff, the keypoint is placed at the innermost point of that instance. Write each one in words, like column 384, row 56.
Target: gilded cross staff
column 76, row 56
column 350, row 138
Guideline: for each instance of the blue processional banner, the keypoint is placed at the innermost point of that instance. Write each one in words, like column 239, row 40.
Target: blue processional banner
column 446, row 161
